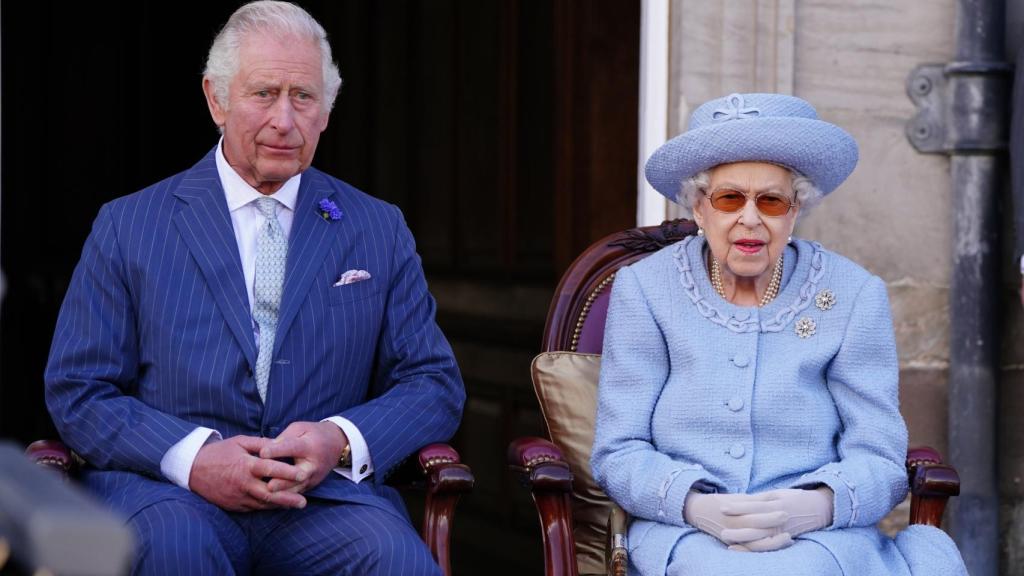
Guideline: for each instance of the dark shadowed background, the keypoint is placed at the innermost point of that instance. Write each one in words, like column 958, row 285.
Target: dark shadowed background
column 505, row 130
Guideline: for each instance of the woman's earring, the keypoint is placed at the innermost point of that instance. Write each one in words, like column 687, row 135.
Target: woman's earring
column 700, row 231
column 789, row 240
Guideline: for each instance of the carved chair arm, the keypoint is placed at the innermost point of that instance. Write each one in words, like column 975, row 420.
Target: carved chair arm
column 54, row 454
column 931, row 485
column 540, row 466
column 446, row 480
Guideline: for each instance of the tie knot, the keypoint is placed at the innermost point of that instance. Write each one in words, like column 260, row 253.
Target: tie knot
column 267, row 206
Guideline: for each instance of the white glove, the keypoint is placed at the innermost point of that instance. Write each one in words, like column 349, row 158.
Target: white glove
column 777, row 542
column 707, row 513
column 807, row 510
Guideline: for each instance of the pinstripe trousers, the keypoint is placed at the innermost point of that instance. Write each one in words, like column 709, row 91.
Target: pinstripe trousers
column 189, row 535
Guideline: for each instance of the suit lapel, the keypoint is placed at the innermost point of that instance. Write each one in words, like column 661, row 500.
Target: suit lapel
column 206, row 228
column 309, row 242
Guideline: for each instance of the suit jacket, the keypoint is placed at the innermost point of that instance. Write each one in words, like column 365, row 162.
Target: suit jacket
column 155, row 337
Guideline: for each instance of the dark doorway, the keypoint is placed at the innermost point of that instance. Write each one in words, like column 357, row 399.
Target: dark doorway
column 505, row 130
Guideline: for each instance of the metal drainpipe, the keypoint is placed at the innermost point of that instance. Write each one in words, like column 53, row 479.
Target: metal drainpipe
column 963, row 113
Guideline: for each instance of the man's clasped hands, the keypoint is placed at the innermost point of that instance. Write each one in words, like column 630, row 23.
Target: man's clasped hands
column 244, row 473
column 759, row 522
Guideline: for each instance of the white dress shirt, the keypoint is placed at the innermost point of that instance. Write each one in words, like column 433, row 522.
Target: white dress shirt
column 246, row 218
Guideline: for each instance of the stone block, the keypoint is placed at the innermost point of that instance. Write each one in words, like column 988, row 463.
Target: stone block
column 923, row 403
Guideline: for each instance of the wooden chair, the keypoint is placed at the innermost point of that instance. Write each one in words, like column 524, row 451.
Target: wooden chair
column 437, row 469
column 575, row 324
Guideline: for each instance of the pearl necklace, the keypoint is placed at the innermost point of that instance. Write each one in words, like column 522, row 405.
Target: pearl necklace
column 769, row 294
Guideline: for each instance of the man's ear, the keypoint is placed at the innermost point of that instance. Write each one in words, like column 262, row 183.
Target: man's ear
column 324, row 118
column 218, row 113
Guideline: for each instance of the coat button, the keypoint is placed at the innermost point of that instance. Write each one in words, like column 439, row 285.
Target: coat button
column 741, row 360
column 737, row 450
column 735, row 404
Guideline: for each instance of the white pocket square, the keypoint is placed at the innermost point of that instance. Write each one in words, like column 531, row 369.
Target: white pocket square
column 352, row 276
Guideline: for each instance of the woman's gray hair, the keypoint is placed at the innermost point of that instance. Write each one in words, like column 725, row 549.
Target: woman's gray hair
column 273, row 17
column 807, row 194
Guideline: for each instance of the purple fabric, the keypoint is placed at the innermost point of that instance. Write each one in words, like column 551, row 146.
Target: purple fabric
column 592, row 334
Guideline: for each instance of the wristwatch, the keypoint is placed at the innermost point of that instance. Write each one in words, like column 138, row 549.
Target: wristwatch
column 345, row 460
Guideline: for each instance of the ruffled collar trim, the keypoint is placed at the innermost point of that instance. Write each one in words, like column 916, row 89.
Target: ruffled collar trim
column 795, row 296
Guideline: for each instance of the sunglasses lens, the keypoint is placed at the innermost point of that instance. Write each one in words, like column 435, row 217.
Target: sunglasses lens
column 728, row 201
column 772, row 204
column 767, row 204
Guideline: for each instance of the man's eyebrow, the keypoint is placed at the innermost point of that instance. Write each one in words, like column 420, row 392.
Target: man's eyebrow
column 268, row 83
column 256, row 81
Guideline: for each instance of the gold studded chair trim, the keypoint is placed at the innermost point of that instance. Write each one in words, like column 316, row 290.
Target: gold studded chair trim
column 586, row 309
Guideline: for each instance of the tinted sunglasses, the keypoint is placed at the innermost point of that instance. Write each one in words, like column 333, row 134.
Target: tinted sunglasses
column 767, row 203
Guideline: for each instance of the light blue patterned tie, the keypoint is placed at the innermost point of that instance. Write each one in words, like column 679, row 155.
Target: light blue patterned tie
column 271, row 255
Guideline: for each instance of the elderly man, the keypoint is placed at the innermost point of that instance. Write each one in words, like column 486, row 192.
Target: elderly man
column 247, row 348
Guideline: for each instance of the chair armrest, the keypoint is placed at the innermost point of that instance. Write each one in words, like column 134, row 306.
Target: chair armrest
column 540, row 466
column 446, row 480
column 931, row 485
column 54, row 454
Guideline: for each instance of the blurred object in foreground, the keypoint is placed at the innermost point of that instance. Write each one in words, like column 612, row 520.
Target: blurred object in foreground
column 51, row 527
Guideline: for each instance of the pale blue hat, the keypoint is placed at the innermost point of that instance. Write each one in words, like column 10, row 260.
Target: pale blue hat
column 772, row 128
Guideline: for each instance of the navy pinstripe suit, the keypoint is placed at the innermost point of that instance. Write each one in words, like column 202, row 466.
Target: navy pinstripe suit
column 155, row 338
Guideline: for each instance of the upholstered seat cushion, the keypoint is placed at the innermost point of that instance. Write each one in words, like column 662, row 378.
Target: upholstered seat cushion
column 566, row 385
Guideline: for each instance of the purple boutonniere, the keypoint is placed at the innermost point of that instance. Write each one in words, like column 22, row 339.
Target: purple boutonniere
column 329, row 210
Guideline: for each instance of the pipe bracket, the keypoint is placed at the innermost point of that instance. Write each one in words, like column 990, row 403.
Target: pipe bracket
column 960, row 107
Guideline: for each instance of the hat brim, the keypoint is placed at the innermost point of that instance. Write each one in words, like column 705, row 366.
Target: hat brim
column 821, row 151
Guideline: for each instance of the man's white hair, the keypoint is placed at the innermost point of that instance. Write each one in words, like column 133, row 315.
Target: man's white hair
column 265, row 16
column 807, row 194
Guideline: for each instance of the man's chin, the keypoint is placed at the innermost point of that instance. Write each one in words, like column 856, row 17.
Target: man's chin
column 279, row 172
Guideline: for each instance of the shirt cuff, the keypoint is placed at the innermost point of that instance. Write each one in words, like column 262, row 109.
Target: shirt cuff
column 1022, row 265
column 176, row 464
column 362, row 464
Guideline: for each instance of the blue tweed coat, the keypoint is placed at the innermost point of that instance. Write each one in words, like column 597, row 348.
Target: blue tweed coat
column 697, row 393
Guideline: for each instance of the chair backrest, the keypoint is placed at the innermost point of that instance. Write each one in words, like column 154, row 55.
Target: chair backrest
column 565, row 376
column 576, row 317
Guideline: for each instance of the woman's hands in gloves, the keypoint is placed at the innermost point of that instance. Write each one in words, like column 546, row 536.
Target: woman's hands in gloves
column 759, row 522
column 807, row 510
column 714, row 514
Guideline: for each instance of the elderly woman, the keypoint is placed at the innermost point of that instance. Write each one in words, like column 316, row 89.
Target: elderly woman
column 748, row 416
